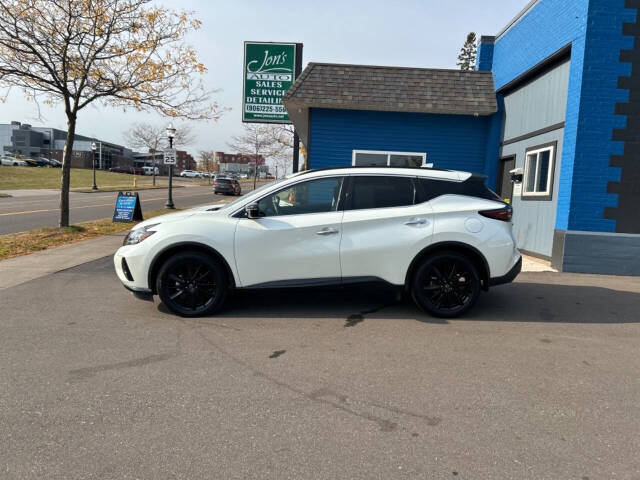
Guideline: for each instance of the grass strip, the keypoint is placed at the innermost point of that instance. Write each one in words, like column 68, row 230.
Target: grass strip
column 18, row 178
column 17, row 244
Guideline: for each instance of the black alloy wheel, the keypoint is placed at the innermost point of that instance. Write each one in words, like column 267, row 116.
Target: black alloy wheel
column 192, row 284
column 446, row 285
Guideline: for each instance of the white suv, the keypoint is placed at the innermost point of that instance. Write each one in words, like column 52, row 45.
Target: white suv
column 442, row 236
column 190, row 174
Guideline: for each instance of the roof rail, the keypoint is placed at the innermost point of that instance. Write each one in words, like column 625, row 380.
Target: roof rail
column 373, row 166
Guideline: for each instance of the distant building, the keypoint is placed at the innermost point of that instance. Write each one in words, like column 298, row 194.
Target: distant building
column 184, row 161
column 239, row 163
column 28, row 141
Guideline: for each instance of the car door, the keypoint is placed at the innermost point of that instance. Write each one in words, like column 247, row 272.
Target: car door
column 296, row 241
column 383, row 228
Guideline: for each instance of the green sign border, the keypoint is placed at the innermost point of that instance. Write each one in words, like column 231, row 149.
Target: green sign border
column 244, row 80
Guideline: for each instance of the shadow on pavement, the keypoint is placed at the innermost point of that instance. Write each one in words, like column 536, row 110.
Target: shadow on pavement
column 517, row 302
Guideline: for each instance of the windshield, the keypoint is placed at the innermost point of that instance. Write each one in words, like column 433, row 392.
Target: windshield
column 251, row 194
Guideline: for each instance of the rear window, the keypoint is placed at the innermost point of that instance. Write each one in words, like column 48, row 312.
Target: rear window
column 223, row 180
column 472, row 187
column 381, row 192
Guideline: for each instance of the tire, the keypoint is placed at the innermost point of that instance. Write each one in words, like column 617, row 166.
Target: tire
column 192, row 284
column 446, row 285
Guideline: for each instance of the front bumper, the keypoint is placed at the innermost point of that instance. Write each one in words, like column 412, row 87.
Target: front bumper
column 509, row 276
column 131, row 269
column 141, row 293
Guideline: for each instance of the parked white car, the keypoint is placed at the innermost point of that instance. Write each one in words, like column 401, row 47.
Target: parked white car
column 442, row 236
column 149, row 170
column 190, row 174
column 12, row 161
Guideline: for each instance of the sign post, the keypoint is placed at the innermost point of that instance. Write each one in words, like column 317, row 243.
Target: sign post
column 270, row 68
column 170, row 159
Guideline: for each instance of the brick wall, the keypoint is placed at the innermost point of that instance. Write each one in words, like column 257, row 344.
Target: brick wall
column 594, row 29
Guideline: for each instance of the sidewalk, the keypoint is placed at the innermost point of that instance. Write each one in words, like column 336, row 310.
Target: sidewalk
column 18, row 270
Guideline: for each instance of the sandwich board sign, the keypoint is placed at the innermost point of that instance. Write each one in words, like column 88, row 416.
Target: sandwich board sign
column 170, row 155
column 269, row 71
column 128, row 207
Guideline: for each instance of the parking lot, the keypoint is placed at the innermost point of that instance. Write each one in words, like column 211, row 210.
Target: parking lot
column 540, row 381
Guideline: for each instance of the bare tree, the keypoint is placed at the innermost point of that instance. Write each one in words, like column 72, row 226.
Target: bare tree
column 258, row 139
column 207, row 161
column 114, row 52
column 154, row 138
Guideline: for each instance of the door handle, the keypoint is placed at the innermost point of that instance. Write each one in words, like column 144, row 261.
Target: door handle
column 417, row 221
column 327, row 231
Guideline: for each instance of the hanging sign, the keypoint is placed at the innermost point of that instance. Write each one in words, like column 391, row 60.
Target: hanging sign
column 269, row 71
column 128, row 208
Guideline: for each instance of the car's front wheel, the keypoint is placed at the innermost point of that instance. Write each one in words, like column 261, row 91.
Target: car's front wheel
column 192, row 284
column 446, row 285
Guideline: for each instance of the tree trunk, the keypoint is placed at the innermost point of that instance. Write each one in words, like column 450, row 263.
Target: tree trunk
column 66, row 171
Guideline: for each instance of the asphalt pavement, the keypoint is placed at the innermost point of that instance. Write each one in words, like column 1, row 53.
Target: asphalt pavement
column 539, row 382
column 27, row 210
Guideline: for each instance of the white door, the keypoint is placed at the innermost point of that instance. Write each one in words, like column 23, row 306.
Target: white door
column 383, row 229
column 297, row 239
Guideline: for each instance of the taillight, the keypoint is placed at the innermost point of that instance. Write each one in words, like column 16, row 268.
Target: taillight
column 503, row 214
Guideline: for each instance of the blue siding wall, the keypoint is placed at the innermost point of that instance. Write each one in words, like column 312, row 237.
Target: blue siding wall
column 450, row 141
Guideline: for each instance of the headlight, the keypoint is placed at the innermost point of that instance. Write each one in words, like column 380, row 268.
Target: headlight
column 138, row 235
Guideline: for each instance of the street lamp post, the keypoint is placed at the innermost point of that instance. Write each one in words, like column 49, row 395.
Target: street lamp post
column 171, row 132
column 94, row 147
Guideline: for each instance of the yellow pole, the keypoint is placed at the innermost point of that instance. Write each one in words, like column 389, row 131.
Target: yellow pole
column 134, row 181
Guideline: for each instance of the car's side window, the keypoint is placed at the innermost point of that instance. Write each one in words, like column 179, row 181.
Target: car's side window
column 381, row 192
column 314, row 196
column 472, row 187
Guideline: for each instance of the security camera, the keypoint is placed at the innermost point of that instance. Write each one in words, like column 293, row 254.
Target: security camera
column 516, row 175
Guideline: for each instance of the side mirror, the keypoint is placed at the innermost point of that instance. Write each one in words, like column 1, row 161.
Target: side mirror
column 253, row 211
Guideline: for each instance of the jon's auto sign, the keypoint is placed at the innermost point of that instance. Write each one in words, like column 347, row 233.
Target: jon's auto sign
column 269, row 71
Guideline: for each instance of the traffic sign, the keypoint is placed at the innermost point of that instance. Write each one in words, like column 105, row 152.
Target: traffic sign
column 170, row 156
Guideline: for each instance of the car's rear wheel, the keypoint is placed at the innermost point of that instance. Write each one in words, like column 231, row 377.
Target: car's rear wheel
column 446, row 285
column 192, row 284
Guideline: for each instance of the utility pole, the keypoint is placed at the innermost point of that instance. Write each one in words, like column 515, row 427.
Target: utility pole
column 296, row 138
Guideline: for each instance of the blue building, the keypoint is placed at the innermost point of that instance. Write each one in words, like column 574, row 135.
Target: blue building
column 555, row 98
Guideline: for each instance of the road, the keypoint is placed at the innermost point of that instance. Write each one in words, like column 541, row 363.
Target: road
column 539, row 382
column 36, row 209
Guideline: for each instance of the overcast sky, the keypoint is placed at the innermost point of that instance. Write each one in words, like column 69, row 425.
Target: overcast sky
column 413, row 33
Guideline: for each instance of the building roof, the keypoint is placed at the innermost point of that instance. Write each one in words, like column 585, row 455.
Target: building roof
column 397, row 89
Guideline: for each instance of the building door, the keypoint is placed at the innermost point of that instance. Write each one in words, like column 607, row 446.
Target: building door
column 505, row 185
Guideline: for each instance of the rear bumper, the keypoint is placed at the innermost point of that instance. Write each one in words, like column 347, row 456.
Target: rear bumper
column 509, row 276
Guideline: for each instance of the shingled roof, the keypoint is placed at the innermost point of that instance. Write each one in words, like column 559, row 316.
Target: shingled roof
column 397, row 89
